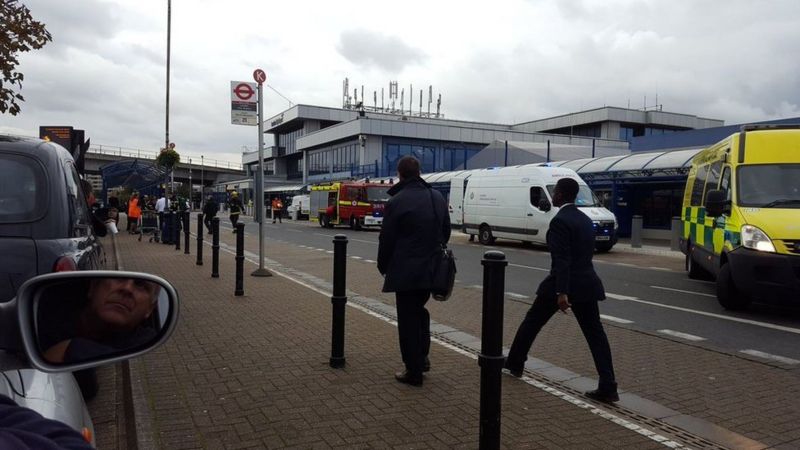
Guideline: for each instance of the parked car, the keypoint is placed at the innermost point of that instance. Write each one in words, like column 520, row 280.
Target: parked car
column 45, row 226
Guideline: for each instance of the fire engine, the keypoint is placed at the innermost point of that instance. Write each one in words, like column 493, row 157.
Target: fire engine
column 348, row 203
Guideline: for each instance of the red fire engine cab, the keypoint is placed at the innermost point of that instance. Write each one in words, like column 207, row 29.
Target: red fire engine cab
column 348, row 203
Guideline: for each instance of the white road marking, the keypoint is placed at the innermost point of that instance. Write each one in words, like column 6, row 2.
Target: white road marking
column 678, row 334
column 329, row 251
column 369, row 261
column 293, row 231
column 356, row 257
column 323, row 234
column 707, row 314
column 529, row 267
column 764, row 355
column 663, row 440
column 361, row 240
column 615, row 319
column 685, row 292
column 320, row 249
column 475, row 286
column 515, row 295
column 660, row 268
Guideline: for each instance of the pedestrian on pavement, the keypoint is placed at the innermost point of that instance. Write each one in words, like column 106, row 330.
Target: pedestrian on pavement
column 209, row 212
column 235, row 207
column 134, row 212
column 277, row 209
column 415, row 224
column 571, row 284
column 161, row 206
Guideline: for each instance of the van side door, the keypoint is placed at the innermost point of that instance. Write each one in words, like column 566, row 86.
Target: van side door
column 538, row 214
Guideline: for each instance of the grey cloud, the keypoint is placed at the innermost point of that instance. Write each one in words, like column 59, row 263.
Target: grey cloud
column 83, row 24
column 369, row 48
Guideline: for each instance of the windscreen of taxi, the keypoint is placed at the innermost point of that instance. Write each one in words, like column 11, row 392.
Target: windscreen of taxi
column 22, row 189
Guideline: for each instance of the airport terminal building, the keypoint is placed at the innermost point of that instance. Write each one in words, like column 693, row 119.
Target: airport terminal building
column 636, row 161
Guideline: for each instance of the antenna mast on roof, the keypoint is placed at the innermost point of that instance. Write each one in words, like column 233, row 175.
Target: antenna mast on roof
column 345, row 90
column 430, row 98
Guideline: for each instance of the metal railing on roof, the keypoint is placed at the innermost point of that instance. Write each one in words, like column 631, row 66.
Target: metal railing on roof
column 113, row 150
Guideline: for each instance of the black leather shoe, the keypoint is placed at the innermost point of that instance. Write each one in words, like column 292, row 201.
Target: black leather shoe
column 603, row 396
column 426, row 366
column 409, row 378
column 512, row 370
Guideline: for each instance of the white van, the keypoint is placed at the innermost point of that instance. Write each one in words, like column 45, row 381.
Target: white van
column 516, row 203
column 300, row 203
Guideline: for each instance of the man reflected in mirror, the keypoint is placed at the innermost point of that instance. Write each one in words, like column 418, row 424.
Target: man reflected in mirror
column 114, row 318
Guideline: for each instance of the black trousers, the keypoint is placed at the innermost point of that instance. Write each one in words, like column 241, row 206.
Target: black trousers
column 234, row 221
column 414, row 328
column 588, row 316
column 207, row 221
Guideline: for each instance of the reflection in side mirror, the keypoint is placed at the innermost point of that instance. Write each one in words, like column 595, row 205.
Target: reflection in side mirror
column 76, row 320
column 544, row 205
column 716, row 201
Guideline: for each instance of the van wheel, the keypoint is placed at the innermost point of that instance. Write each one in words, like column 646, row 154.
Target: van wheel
column 728, row 295
column 485, row 235
column 695, row 271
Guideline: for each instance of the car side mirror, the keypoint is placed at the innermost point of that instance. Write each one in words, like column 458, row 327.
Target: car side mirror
column 76, row 320
column 544, row 205
column 716, row 202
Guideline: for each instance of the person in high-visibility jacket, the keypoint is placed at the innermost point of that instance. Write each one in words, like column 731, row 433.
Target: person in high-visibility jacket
column 235, row 207
column 277, row 209
column 134, row 212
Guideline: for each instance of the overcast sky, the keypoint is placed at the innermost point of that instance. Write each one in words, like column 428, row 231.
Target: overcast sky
column 505, row 61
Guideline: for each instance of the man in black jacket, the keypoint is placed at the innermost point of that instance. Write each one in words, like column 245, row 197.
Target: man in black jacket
column 415, row 225
column 209, row 212
column 572, row 283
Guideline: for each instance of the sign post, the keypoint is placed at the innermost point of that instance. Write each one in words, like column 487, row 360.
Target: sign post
column 260, row 77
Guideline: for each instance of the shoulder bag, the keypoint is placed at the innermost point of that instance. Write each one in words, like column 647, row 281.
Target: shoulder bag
column 443, row 264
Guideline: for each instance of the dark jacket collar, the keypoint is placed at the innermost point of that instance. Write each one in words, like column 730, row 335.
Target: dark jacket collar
column 415, row 181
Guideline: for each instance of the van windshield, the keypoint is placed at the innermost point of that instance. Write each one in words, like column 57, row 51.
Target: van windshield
column 378, row 194
column 585, row 197
column 769, row 186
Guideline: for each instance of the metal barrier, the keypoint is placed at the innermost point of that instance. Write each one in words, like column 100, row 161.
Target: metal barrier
column 677, row 232
column 200, row 231
column 215, row 247
column 636, row 231
column 338, row 300
column 491, row 357
column 239, row 290
column 186, row 218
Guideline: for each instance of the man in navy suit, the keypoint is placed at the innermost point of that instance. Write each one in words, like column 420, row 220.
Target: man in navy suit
column 572, row 283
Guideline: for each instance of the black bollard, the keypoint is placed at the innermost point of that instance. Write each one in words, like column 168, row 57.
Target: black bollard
column 491, row 358
column 239, row 291
column 186, row 224
column 215, row 247
column 200, row 231
column 338, row 300
column 178, row 220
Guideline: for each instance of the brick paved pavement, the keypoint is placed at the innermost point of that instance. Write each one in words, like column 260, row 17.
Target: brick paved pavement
column 756, row 399
column 251, row 372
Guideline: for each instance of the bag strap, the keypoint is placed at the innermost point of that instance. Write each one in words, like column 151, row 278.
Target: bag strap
column 438, row 221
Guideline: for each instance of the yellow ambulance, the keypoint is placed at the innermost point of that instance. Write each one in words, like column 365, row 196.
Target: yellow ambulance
column 741, row 216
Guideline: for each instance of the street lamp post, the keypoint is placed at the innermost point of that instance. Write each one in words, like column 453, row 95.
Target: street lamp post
column 202, row 184
column 191, row 189
column 166, row 136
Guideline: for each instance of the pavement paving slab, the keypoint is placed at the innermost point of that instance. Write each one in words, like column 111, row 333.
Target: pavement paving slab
column 757, row 400
column 252, row 372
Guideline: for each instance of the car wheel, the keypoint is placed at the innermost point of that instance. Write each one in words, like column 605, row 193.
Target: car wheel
column 728, row 295
column 603, row 247
column 485, row 235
